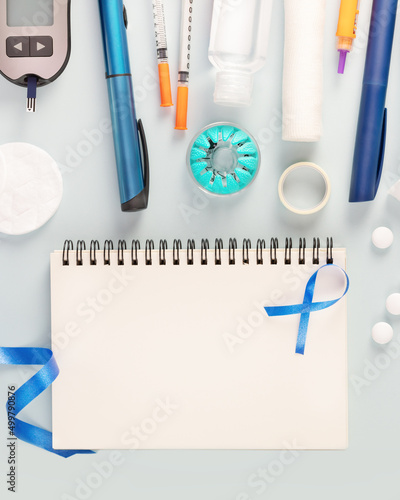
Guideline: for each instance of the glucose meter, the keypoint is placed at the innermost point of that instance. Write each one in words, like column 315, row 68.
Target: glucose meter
column 35, row 42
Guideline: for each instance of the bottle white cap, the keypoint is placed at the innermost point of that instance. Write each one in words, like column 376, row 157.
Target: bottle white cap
column 233, row 88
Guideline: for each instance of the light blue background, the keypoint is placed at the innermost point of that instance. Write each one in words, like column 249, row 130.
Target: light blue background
column 75, row 105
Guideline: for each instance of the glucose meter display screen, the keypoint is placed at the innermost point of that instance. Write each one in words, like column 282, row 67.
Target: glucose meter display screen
column 30, row 12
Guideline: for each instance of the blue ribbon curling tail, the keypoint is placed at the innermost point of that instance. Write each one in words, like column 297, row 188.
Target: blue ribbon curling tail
column 31, row 390
column 307, row 307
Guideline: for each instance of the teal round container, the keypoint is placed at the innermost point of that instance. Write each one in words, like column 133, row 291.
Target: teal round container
column 223, row 159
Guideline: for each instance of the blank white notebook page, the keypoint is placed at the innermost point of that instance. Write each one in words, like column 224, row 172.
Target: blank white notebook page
column 185, row 356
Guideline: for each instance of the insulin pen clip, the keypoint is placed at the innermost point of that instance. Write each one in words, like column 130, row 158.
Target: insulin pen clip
column 346, row 30
column 184, row 65
column 162, row 53
column 129, row 138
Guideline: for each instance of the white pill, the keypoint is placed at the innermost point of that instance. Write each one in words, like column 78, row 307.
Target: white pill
column 382, row 237
column 393, row 303
column 382, row 333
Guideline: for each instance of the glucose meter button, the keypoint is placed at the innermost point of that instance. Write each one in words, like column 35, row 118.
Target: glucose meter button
column 17, row 46
column 41, row 46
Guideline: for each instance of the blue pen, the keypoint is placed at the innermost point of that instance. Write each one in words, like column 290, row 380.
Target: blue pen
column 371, row 132
column 133, row 171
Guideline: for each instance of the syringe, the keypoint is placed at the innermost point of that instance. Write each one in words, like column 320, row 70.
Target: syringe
column 346, row 30
column 162, row 53
column 184, row 65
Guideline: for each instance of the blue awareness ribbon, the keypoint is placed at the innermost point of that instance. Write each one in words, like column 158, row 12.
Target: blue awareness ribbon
column 31, row 390
column 307, row 307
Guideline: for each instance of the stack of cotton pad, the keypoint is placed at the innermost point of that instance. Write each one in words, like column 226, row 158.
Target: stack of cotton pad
column 30, row 188
column 223, row 159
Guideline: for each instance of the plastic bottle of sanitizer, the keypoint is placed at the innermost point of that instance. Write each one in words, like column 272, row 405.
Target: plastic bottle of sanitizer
column 238, row 47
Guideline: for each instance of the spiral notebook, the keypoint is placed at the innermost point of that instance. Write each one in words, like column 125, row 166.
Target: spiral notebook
column 172, row 348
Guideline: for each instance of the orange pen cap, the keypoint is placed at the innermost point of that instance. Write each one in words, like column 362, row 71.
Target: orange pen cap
column 165, row 85
column 347, row 19
column 181, row 108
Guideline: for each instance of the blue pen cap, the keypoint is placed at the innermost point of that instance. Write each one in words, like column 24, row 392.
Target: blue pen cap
column 131, row 178
column 369, row 151
column 372, row 121
column 380, row 41
column 113, row 19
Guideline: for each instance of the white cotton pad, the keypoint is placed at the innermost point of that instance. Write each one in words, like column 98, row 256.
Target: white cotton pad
column 31, row 188
column 393, row 304
column 382, row 237
column 3, row 172
column 382, row 333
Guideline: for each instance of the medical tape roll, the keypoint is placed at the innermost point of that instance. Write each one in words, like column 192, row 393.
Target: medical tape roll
column 324, row 199
column 303, row 70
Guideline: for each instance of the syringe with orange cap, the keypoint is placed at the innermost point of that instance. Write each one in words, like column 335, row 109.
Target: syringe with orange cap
column 184, row 65
column 346, row 30
column 162, row 53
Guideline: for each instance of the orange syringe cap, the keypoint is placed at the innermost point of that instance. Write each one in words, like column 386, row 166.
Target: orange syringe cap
column 182, row 108
column 165, row 85
column 347, row 19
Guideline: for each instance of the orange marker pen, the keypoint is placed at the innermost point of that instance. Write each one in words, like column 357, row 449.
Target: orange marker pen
column 162, row 53
column 346, row 30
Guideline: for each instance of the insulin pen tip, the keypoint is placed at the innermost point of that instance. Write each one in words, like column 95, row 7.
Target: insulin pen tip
column 342, row 61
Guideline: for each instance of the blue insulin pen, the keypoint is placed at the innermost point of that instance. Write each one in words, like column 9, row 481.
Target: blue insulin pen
column 129, row 138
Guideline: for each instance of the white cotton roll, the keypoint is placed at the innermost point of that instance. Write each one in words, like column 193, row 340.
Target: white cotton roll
column 303, row 70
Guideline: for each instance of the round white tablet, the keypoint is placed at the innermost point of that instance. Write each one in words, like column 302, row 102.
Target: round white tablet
column 382, row 333
column 382, row 237
column 32, row 188
column 393, row 303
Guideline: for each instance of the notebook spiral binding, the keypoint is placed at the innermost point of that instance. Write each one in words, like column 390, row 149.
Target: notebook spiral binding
column 149, row 252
